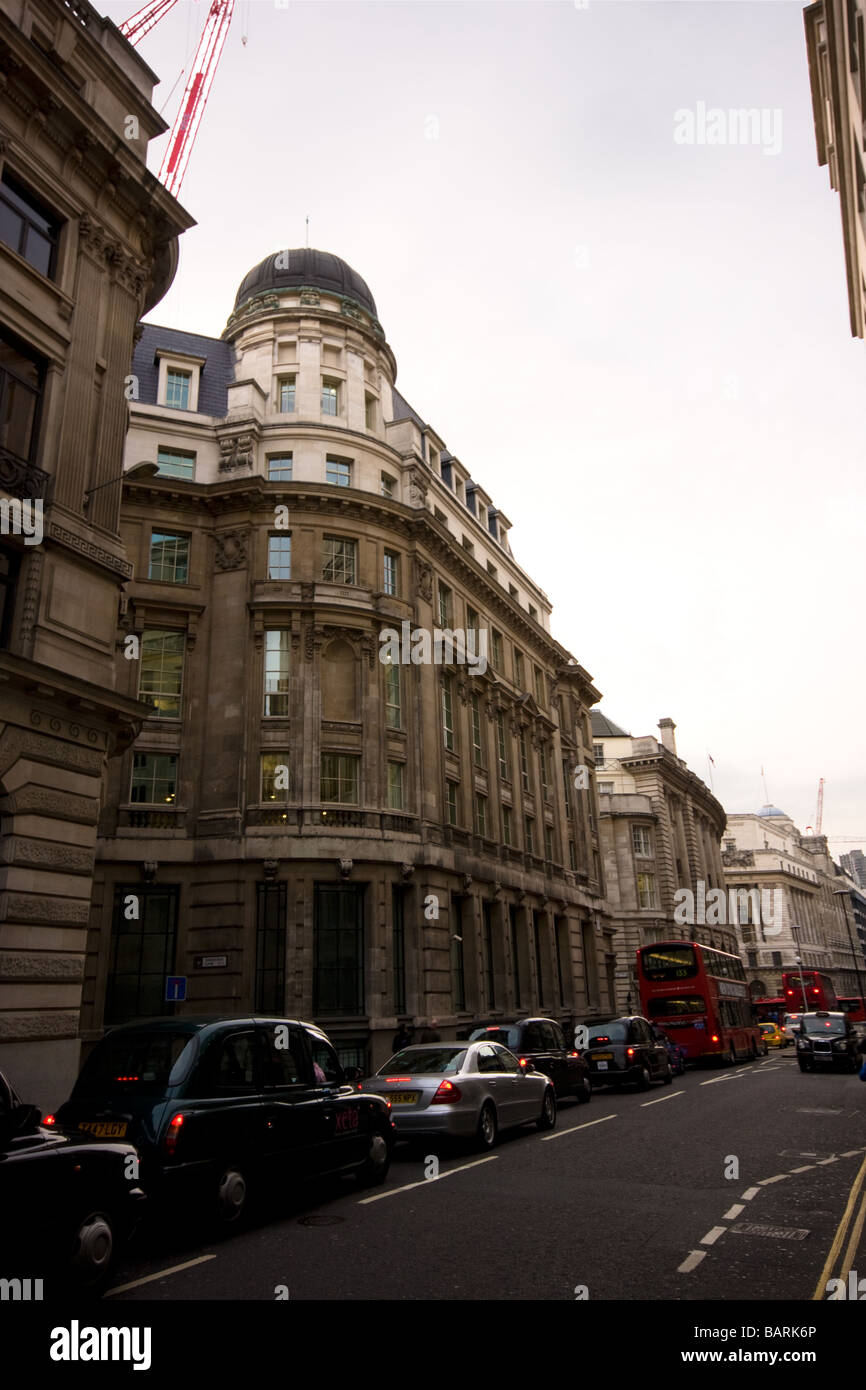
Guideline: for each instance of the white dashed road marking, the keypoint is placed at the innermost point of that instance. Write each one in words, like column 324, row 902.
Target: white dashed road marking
column 733, row 1212
column 691, row 1261
column 559, row 1133
column 712, row 1236
column 780, row 1177
column 426, row 1182
column 805, row 1168
column 670, row 1096
column 749, row 1193
column 160, row 1274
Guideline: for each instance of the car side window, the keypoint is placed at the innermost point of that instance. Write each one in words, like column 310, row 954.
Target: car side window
column 235, row 1068
column 558, row 1037
column 533, row 1038
column 505, row 1060
column 285, row 1063
column 487, row 1059
column 635, row 1032
column 326, row 1064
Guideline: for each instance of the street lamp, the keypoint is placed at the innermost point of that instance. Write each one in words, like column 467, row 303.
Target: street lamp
column 845, row 892
column 145, row 469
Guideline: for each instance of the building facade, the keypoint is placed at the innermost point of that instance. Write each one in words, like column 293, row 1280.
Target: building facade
column 836, row 49
column 88, row 242
column 854, row 865
column 324, row 815
column 796, row 905
column 660, row 830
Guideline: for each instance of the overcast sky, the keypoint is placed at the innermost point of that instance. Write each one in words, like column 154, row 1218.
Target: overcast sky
column 639, row 347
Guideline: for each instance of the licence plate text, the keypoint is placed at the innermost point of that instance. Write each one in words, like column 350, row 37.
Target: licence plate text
column 105, row 1129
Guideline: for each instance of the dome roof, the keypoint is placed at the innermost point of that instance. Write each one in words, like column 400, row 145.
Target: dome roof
column 306, row 266
column 772, row 811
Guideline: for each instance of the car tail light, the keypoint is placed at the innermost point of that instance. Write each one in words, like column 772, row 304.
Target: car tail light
column 398, row 1078
column 629, row 1052
column 49, row 1120
column 447, row 1094
column 172, row 1134
column 714, row 1038
column 573, row 1053
column 524, row 1061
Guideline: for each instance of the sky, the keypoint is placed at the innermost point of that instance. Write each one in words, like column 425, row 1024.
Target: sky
column 636, row 340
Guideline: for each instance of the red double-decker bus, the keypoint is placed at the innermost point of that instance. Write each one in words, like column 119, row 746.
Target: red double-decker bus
column 700, row 996
column 818, row 989
column 853, row 1006
column 770, row 1010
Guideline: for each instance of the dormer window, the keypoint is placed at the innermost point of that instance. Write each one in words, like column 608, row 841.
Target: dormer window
column 179, row 379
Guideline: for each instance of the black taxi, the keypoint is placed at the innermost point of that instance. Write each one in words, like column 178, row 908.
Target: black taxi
column 224, row 1108
column 626, row 1050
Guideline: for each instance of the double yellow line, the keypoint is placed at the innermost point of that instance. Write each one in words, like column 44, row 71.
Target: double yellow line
column 858, row 1190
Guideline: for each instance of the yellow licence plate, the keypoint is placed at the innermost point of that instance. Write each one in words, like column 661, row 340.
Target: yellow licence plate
column 602, row 1057
column 402, row 1097
column 105, row 1129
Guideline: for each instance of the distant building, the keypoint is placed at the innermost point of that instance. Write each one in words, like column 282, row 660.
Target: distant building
column 789, row 903
column 854, row 865
column 88, row 243
column 837, row 73
column 660, row 829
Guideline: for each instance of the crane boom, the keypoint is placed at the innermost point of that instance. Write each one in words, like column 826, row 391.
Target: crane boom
column 144, row 19
column 195, row 97
column 820, row 813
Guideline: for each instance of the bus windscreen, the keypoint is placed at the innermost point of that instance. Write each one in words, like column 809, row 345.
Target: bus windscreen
column 669, row 963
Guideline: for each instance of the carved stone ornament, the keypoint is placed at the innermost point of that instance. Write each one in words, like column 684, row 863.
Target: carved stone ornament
column 236, row 452
column 345, row 866
column 231, row 550
column 467, row 882
column 417, row 488
column 424, row 580
column 318, row 636
column 350, row 308
column 269, row 868
column 311, row 297
column 406, row 872
column 148, row 869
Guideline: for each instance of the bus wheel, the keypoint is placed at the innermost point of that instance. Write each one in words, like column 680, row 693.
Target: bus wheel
column 732, row 1056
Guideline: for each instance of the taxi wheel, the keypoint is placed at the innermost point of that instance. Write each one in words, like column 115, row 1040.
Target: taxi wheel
column 487, row 1126
column 645, row 1079
column 93, row 1251
column 584, row 1091
column 374, row 1169
column 668, row 1076
column 803, row 1066
column 232, row 1195
column 547, row 1118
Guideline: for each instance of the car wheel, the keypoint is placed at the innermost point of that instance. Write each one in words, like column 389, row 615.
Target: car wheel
column 645, row 1079
column 374, row 1169
column 584, row 1091
column 668, row 1076
column 93, row 1251
column 487, row 1125
column 547, row 1118
column 803, row 1066
column 232, row 1196
column 765, row 1051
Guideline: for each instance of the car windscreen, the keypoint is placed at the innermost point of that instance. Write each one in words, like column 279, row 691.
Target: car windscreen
column 423, row 1061
column 609, row 1032
column 146, row 1063
column 833, row 1024
column 508, row 1036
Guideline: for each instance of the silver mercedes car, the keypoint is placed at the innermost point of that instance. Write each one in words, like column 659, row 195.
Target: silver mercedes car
column 462, row 1090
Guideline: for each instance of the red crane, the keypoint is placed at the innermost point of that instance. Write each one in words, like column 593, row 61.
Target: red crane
column 204, row 67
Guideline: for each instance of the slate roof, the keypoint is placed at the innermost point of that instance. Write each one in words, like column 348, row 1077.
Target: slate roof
column 216, row 373
column 602, row 727
column 404, row 411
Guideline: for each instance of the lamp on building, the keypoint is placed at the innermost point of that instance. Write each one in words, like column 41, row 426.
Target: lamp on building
column 845, row 893
column 145, row 469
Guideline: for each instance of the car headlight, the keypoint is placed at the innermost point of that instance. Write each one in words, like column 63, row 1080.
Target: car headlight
column 802, row 1045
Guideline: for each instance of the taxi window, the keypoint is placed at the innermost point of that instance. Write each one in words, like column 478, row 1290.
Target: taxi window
column 236, row 1063
column 534, row 1039
column 553, row 1036
column 326, row 1064
column 285, row 1064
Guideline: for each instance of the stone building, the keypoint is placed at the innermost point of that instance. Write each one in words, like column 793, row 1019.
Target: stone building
column 660, row 830
column 301, row 825
column 836, row 49
column 88, row 243
column 813, row 906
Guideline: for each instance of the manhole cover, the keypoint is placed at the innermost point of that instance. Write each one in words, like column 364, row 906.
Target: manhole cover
column 744, row 1228
column 321, row 1220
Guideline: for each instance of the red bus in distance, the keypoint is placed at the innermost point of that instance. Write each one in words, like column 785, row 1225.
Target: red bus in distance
column 771, row 1010
column 818, row 987
column 853, row 1006
column 700, row 996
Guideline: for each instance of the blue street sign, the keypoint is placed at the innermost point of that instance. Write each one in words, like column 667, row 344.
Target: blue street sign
column 175, row 988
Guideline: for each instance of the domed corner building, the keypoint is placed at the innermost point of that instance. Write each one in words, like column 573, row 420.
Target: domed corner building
column 303, row 828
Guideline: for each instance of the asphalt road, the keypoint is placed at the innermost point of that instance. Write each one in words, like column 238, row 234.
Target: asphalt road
column 729, row 1184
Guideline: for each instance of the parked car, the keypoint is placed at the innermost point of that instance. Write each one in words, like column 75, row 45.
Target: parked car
column 624, row 1050
column 462, row 1090
column 541, row 1041
column 224, row 1108
column 676, row 1054
column 67, row 1202
column 826, row 1040
column 790, row 1025
column 774, row 1036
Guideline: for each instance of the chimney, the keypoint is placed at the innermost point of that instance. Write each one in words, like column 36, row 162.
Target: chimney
column 667, row 727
